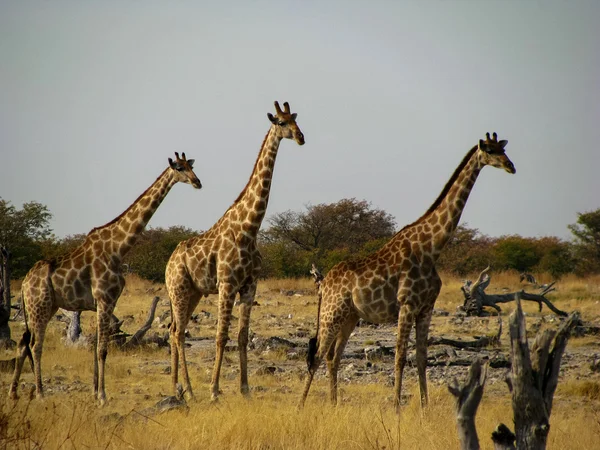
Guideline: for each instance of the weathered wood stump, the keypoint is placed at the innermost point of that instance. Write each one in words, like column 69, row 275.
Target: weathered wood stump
column 532, row 382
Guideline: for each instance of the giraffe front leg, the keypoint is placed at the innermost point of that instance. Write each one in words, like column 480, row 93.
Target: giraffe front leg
column 103, row 329
column 95, row 358
column 226, row 299
column 246, row 302
column 405, row 321
column 422, row 331
column 173, row 338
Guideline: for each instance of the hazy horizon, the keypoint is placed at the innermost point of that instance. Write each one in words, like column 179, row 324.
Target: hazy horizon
column 390, row 96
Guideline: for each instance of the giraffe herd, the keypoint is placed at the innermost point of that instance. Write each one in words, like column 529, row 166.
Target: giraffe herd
column 397, row 283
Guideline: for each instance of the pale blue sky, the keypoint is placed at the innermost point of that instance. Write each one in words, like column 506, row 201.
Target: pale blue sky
column 95, row 96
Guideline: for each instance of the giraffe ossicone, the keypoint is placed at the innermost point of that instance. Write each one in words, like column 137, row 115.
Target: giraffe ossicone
column 399, row 281
column 89, row 277
column 225, row 260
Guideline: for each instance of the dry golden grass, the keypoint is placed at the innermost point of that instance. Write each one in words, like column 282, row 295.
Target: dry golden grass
column 69, row 418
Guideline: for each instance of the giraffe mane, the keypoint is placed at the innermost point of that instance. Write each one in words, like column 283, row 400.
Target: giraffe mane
column 447, row 187
column 129, row 207
column 239, row 197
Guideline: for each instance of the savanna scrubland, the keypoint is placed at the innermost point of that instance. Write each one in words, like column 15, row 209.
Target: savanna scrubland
column 68, row 417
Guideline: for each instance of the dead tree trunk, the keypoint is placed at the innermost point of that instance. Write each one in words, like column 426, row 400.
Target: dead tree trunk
column 5, row 297
column 532, row 382
column 74, row 328
column 476, row 298
column 468, row 396
column 137, row 338
column 534, row 377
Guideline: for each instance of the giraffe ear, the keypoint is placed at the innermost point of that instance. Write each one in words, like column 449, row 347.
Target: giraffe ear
column 294, row 116
column 271, row 118
column 171, row 163
column 502, row 143
column 191, row 162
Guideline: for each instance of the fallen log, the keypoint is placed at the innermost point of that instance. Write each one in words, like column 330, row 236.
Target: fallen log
column 476, row 298
column 479, row 342
column 117, row 336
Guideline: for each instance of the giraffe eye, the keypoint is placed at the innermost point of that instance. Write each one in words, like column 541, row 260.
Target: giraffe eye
column 281, row 123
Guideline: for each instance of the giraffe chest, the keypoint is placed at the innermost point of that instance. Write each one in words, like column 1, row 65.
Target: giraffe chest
column 232, row 265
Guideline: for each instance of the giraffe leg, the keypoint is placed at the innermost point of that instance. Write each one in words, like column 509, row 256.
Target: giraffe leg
column 95, row 356
column 405, row 321
column 181, row 319
column 334, row 356
column 173, row 339
column 246, row 301
column 422, row 331
column 23, row 350
column 226, row 300
column 37, row 344
column 103, row 315
column 327, row 335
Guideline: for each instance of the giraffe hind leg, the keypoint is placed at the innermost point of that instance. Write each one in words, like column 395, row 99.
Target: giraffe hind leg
column 326, row 340
column 23, row 351
column 180, row 318
column 226, row 299
column 334, row 356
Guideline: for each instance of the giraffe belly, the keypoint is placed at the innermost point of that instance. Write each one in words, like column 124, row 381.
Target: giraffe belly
column 72, row 302
column 376, row 308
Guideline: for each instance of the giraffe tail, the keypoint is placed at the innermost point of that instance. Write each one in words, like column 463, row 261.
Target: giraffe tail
column 313, row 343
column 25, row 342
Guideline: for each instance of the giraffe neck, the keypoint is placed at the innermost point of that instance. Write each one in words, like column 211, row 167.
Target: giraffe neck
column 125, row 229
column 249, row 210
column 443, row 216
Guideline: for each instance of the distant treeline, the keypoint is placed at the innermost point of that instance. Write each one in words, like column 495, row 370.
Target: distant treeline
column 323, row 234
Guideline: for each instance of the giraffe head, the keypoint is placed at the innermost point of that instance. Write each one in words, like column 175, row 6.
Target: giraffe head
column 492, row 153
column 182, row 168
column 284, row 123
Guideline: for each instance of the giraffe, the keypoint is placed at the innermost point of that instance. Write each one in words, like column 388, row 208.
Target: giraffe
column 89, row 277
column 225, row 261
column 398, row 282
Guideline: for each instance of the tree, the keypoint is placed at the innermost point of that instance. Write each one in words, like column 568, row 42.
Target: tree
column 20, row 231
column 466, row 252
column 149, row 257
column 587, row 241
column 556, row 256
column 516, row 252
column 328, row 232
column 53, row 247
